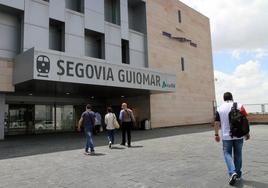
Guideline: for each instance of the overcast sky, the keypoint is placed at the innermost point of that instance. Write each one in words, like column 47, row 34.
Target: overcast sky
column 240, row 47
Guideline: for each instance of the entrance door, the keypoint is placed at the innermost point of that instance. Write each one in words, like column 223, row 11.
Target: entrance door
column 20, row 119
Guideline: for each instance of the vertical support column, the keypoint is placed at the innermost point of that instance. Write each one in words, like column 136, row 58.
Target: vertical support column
column 124, row 19
column 2, row 116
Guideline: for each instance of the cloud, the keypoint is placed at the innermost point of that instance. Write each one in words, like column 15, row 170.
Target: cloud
column 236, row 54
column 247, row 82
column 260, row 53
column 236, row 24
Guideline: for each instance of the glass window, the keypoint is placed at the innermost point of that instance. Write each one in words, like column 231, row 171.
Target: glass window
column 6, row 118
column 17, row 118
column 182, row 64
column 179, row 16
column 75, row 5
column 44, row 118
column 112, row 11
column 94, row 44
column 56, row 35
column 125, row 51
column 65, row 118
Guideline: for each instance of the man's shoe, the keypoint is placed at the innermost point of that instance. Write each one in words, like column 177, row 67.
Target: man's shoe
column 87, row 153
column 122, row 144
column 233, row 179
column 110, row 145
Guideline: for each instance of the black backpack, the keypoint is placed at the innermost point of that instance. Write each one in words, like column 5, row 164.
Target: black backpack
column 239, row 125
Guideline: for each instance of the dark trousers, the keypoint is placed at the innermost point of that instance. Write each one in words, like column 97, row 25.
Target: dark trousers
column 126, row 128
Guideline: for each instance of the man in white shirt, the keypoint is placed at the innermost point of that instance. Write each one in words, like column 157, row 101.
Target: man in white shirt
column 230, row 144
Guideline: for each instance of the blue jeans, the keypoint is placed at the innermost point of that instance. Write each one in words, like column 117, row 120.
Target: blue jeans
column 234, row 164
column 110, row 134
column 89, row 141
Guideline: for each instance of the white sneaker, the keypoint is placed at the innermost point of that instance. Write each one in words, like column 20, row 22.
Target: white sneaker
column 87, row 153
column 110, row 145
column 233, row 179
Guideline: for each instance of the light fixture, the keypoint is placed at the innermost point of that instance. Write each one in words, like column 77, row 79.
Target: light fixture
column 67, row 93
column 122, row 96
column 30, row 94
column 92, row 97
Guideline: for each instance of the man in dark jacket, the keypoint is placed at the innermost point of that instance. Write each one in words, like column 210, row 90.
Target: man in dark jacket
column 88, row 121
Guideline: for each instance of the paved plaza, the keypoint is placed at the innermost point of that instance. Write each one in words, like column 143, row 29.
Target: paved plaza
column 186, row 157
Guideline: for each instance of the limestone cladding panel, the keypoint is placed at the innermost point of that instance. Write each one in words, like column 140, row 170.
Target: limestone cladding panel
column 6, row 75
column 192, row 103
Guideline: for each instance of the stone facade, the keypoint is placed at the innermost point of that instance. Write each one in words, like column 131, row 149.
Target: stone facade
column 192, row 103
column 6, row 75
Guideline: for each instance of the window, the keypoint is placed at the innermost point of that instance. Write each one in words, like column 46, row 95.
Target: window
column 75, row 5
column 137, row 15
column 56, row 35
column 112, row 11
column 125, row 51
column 94, row 44
column 179, row 16
column 182, row 64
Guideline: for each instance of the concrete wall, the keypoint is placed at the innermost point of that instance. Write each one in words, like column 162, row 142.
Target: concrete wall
column 2, row 115
column 192, row 103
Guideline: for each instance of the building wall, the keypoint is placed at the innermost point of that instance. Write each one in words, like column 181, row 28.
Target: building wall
column 192, row 103
column 6, row 75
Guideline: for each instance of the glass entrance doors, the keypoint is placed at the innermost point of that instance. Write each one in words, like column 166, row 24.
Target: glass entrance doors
column 20, row 119
column 28, row 119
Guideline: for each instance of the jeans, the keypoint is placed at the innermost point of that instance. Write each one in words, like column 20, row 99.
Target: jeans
column 110, row 134
column 89, row 141
column 234, row 164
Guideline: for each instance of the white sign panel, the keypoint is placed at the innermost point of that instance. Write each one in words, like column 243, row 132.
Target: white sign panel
column 62, row 68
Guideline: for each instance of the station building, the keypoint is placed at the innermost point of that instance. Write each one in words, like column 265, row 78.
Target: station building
column 58, row 55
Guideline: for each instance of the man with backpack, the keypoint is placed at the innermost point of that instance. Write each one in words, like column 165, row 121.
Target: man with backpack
column 88, row 121
column 231, row 119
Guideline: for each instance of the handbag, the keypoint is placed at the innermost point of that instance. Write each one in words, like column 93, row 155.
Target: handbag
column 115, row 123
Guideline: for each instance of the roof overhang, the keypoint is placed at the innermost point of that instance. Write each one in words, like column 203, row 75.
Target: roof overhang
column 61, row 67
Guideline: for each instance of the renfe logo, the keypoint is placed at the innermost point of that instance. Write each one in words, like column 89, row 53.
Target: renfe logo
column 42, row 66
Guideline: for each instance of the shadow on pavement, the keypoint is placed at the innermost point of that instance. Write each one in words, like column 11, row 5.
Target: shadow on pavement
column 119, row 148
column 250, row 183
column 26, row 145
column 136, row 147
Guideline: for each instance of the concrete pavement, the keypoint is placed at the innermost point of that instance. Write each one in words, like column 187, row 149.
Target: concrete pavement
column 185, row 157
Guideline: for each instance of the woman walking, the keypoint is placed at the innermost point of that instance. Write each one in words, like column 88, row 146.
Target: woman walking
column 109, row 122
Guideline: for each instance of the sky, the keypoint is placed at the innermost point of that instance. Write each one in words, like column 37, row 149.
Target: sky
column 239, row 32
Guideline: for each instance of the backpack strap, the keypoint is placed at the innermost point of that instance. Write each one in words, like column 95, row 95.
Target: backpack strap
column 235, row 105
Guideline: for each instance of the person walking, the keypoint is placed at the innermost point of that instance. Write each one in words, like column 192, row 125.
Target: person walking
column 88, row 121
column 230, row 144
column 98, row 120
column 109, row 119
column 127, row 119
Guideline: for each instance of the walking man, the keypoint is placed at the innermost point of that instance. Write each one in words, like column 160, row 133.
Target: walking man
column 231, row 145
column 88, row 121
column 127, row 119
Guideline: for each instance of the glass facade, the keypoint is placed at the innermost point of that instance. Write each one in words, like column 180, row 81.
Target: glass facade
column 20, row 119
column 27, row 119
column 65, row 118
column 44, row 118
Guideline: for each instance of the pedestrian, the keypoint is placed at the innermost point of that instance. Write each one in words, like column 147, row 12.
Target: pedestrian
column 109, row 119
column 88, row 121
column 127, row 119
column 230, row 144
column 98, row 120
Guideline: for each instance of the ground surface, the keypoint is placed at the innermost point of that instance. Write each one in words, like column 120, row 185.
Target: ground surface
column 184, row 157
